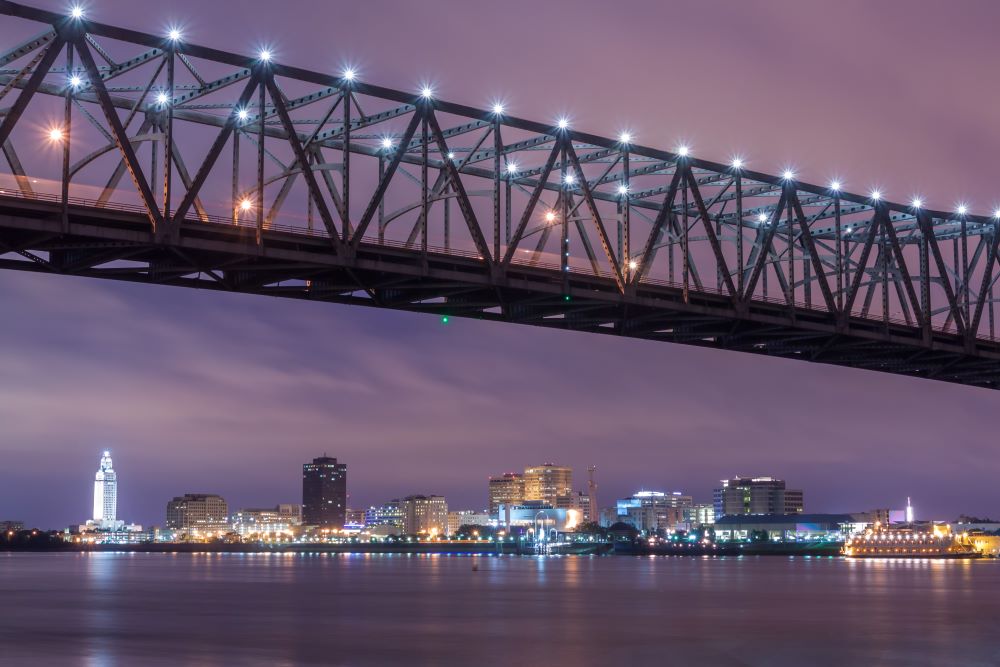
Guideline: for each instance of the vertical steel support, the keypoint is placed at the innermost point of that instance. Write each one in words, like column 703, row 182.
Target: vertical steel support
column 236, row 176
column 625, row 256
column 685, row 256
column 497, row 153
column 168, row 130
column 507, row 209
column 564, row 222
column 839, row 251
column 67, row 139
column 260, row 159
column 884, row 253
column 739, row 234
column 381, row 203
column 925, row 284
column 965, row 269
column 791, row 250
column 424, row 201
column 345, row 185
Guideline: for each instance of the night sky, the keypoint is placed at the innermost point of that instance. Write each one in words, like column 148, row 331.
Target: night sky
column 230, row 394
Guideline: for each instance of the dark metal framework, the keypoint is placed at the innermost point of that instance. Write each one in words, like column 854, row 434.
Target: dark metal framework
column 252, row 176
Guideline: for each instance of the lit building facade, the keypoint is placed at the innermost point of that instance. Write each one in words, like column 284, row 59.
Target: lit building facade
column 203, row 512
column 424, row 514
column 534, row 514
column 384, row 520
column 506, row 489
column 106, row 493
column 700, row 515
column 280, row 519
column 653, row 510
column 467, row 518
column 756, row 495
column 324, row 493
column 547, row 482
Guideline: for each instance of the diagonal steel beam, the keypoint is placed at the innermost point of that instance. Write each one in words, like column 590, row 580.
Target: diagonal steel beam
column 602, row 232
column 814, row 257
column 121, row 139
column 712, row 238
column 30, row 88
column 529, row 209
column 654, row 234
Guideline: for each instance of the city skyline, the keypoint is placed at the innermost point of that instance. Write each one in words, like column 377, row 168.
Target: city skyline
column 165, row 377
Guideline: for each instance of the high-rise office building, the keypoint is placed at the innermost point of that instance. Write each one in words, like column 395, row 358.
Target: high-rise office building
column 204, row 512
column 547, row 482
column 424, row 514
column 324, row 493
column 756, row 495
column 106, row 493
column 506, row 489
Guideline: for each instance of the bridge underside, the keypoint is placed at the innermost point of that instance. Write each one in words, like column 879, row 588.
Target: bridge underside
column 119, row 245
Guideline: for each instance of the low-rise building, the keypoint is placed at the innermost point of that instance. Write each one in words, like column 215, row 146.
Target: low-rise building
column 541, row 515
column 282, row 519
column 386, row 519
column 201, row 512
column 789, row 527
column 461, row 518
column 649, row 511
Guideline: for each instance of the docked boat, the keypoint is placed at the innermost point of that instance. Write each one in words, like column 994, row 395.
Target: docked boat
column 910, row 541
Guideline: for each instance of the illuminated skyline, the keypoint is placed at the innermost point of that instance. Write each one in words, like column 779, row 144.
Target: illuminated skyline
column 167, row 377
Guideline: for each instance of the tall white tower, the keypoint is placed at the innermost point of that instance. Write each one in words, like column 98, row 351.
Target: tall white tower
column 106, row 493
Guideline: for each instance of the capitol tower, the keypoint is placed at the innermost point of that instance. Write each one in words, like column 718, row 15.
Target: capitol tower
column 106, row 493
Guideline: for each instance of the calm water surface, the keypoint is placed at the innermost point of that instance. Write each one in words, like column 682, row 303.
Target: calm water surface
column 227, row 609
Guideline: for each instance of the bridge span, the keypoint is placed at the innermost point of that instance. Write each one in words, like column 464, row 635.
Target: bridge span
column 249, row 175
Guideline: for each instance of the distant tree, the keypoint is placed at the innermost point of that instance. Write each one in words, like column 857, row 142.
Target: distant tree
column 623, row 531
column 592, row 528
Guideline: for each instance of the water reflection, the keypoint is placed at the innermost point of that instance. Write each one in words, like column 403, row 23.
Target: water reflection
column 319, row 608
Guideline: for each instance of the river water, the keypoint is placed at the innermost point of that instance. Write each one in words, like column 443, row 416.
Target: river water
column 106, row 609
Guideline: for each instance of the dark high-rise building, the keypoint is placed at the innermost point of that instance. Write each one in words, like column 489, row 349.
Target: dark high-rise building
column 756, row 495
column 324, row 493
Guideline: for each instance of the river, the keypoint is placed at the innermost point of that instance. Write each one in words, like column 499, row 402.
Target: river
column 110, row 609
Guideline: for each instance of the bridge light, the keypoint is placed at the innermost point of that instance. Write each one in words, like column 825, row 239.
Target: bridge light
column 835, row 186
column 962, row 209
column 849, row 230
column 265, row 55
column 550, row 216
column 683, row 150
column 75, row 81
column 246, row 204
column 625, row 137
column 996, row 214
column 569, row 179
column 511, row 167
column 876, row 194
column 762, row 217
column 788, row 175
column 387, row 143
column 427, row 92
column 563, row 123
column 242, row 113
column 76, row 11
column 623, row 189
column 633, row 265
column 451, row 156
column 917, row 202
column 498, row 108
column 162, row 98
column 56, row 134
column 174, row 35
column 737, row 163
column 348, row 74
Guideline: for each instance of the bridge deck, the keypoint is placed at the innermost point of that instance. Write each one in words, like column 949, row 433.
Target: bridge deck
column 118, row 244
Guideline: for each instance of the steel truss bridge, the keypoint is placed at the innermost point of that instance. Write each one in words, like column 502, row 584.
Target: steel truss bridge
column 248, row 175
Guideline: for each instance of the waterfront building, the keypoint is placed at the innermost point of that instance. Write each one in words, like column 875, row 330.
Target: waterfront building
column 547, row 482
column 789, row 527
column 386, row 519
column 653, row 510
column 506, row 489
column 459, row 518
column 324, row 493
column 201, row 512
column 280, row 519
column 756, row 495
column 106, row 494
column 424, row 514
column 11, row 526
column 578, row 501
column 700, row 515
column 354, row 517
column 534, row 514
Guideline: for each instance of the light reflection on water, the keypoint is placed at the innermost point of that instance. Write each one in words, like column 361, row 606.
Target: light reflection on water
column 111, row 609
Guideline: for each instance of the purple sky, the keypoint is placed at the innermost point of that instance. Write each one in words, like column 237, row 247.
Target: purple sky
column 203, row 392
